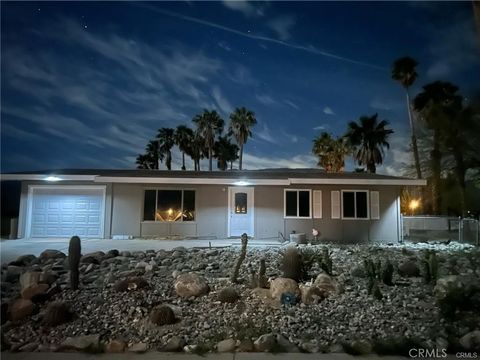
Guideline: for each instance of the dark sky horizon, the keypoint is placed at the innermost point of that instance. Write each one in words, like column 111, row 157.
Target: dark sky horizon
column 87, row 84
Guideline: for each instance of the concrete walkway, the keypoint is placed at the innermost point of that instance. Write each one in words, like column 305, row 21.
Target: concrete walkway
column 180, row 356
column 12, row 249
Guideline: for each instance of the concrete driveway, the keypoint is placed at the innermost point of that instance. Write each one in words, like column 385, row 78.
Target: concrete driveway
column 11, row 249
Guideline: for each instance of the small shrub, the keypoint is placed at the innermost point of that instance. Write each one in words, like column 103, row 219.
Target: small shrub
column 57, row 313
column 162, row 315
column 228, row 295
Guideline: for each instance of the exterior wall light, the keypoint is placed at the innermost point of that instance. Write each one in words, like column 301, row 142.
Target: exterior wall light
column 52, row 178
column 241, row 183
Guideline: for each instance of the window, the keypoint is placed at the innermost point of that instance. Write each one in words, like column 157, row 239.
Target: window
column 355, row 204
column 297, row 203
column 169, row 205
column 240, row 203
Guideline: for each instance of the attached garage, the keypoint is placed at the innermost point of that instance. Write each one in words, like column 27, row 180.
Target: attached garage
column 64, row 211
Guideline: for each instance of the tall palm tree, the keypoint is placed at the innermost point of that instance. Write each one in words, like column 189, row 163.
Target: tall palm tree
column 434, row 104
column 183, row 138
column 369, row 138
column 166, row 140
column 209, row 126
column 241, row 122
column 153, row 151
column 225, row 152
column 197, row 150
column 330, row 152
column 144, row 161
column 403, row 71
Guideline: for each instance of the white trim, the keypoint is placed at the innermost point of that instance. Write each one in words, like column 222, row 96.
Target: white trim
column 31, row 188
column 350, row 181
column 355, row 204
column 185, row 180
column 298, row 204
column 45, row 176
column 229, row 204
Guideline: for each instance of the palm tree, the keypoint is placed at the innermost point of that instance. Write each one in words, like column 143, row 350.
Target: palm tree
column 368, row 138
column 152, row 150
column 330, row 152
column 209, row 126
column 225, row 152
column 144, row 162
column 166, row 140
column 183, row 138
column 403, row 71
column 241, row 122
column 434, row 104
column 197, row 150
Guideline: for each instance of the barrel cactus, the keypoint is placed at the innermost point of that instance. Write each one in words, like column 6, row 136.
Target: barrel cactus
column 57, row 313
column 228, row 295
column 292, row 265
column 162, row 315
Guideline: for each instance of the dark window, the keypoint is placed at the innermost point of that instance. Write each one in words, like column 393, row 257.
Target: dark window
column 355, row 204
column 188, row 205
column 297, row 203
column 361, row 198
column 240, row 203
column 349, row 204
column 304, row 203
column 291, row 203
column 149, row 205
column 169, row 205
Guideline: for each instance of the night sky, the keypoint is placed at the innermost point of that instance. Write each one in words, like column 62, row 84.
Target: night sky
column 86, row 85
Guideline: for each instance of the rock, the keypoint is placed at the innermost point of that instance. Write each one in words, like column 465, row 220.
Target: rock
column 409, row 269
column 285, row 344
column 125, row 253
column 327, row 285
column 13, row 273
column 116, row 346
column 35, row 290
column 310, row 294
column 191, row 284
column 310, row 347
column 360, row 347
column 20, row 309
column 47, row 278
column 175, row 273
column 227, row 345
column 93, row 258
column 29, row 278
column 51, row 254
column 82, row 342
column 141, row 265
column 246, row 345
column 446, row 285
column 131, row 284
column 471, row 341
column 24, row 260
column 112, row 253
column 265, row 342
column 30, row 347
column 280, row 285
column 175, row 344
column 138, row 347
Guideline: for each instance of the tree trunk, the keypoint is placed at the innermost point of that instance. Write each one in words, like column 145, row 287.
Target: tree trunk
column 210, row 158
column 414, row 138
column 240, row 159
column 168, row 160
column 183, row 161
column 231, row 165
column 436, row 158
column 460, row 173
column 371, row 168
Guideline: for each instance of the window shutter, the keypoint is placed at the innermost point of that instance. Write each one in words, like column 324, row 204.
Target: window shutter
column 374, row 205
column 317, row 204
column 335, row 195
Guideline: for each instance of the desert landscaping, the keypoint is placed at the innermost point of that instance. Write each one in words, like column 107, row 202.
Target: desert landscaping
column 357, row 299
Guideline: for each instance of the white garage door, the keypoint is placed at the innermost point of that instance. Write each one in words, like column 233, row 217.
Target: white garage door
column 66, row 211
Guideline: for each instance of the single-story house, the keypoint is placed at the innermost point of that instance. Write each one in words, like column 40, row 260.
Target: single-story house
column 265, row 204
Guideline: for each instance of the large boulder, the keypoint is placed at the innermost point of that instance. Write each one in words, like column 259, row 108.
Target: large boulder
column 34, row 291
column 29, row 278
column 310, row 294
column 51, row 254
column 471, row 341
column 409, row 269
column 265, row 342
column 93, row 258
column 227, row 345
column 82, row 342
column 191, row 284
column 457, row 292
column 20, row 309
column 281, row 286
column 327, row 285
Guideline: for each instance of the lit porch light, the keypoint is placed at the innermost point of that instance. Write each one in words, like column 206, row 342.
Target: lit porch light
column 241, row 183
column 52, row 178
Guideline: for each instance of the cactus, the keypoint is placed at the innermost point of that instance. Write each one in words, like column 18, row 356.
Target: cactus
column 228, row 295
column 162, row 315
column 74, row 253
column 387, row 273
column 326, row 263
column 377, row 294
column 430, row 267
column 292, row 265
column 243, row 254
column 57, row 313
column 262, row 278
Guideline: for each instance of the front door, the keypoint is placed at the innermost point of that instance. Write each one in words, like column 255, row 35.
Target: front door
column 240, row 211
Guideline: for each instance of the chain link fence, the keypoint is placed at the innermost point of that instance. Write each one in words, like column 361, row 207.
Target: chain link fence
column 440, row 228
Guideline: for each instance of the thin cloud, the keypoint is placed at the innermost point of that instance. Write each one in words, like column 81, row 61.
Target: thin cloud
column 245, row 7
column 310, row 49
column 282, row 26
column 265, row 99
column 253, row 162
column 291, row 104
column 328, row 111
column 222, row 102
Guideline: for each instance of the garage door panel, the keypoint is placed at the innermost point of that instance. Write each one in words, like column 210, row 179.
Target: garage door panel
column 64, row 212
